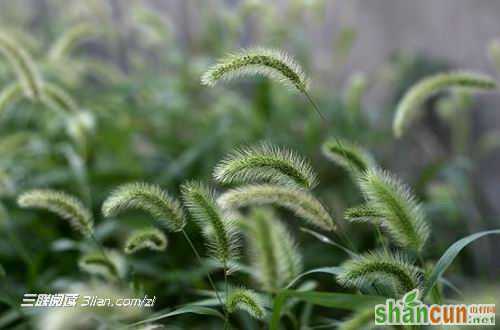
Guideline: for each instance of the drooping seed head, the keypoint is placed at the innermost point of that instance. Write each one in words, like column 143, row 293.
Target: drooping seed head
column 299, row 201
column 149, row 238
column 247, row 300
column 266, row 163
column 380, row 267
column 147, row 197
column 273, row 64
column 64, row 205
column 418, row 93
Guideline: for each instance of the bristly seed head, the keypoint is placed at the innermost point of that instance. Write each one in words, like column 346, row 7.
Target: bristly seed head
column 247, row 300
column 147, row 197
column 273, row 64
column 219, row 229
column 300, row 201
column 383, row 268
column 149, row 238
column 266, row 163
column 418, row 93
column 62, row 204
column 400, row 213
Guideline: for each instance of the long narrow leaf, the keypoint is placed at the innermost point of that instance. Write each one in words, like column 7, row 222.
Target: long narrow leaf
column 325, row 270
column 450, row 254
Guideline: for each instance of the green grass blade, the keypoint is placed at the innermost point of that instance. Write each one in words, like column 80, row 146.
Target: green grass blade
column 324, row 270
column 450, row 254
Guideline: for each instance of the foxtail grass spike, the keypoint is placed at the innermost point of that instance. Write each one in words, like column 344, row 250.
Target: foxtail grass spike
column 274, row 253
column 149, row 198
column 67, row 41
column 247, row 300
column 402, row 215
column 62, row 204
column 24, row 66
column 418, row 93
column 273, row 64
column 58, row 99
column 149, row 238
column 10, row 94
column 349, row 156
column 220, row 231
column 380, row 267
column 266, row 163
column 300, row 201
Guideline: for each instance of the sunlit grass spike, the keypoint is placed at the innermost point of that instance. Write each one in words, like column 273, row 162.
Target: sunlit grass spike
column 274, row 64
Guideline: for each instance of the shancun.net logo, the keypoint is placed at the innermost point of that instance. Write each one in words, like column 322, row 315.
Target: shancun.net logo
column 411, row 311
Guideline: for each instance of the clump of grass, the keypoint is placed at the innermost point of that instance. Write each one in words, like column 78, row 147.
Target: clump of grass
column 406, row 109
column 401, row 214
column 147, row 197
column 148, row 238
column 266, row 163
column 64, row 205
column 299, row 201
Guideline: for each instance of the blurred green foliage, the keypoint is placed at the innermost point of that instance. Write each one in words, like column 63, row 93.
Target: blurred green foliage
column 138, row 77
